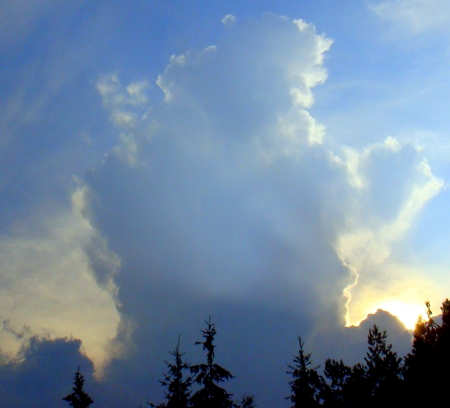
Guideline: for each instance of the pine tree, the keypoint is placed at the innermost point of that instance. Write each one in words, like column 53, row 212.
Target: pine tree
column 335, row 394
column 382, row 370
column 209, row 375
column 376, row 383
column 421, row 362
column 178, row 389
column 426, row 367
column 78, row 398
column 307, row 385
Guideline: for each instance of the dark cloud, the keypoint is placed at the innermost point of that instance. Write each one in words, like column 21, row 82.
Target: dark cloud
column 44, row 373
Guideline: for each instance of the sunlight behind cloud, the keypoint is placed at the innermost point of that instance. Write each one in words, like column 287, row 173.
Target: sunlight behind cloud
column 397, row 288
column 233, row 165
column 366, row 249
column 47, row 286
column 407, row 313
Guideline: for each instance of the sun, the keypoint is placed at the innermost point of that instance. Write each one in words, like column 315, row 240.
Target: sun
column 407, row 313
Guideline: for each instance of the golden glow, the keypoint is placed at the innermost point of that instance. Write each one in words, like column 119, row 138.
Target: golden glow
column 407, row 313
column 47, row 285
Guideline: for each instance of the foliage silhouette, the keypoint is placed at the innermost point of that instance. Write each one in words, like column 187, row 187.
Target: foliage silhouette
column 427, row 366
column 209, row 375
column 247, row 401
column 78, row 398
column 382, row 370
column 376, row 383
column 381, row 380
column 178, row 389
column 307, row 385
column 339, row 375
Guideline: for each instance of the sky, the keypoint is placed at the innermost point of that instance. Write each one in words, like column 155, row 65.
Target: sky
column 281, row 166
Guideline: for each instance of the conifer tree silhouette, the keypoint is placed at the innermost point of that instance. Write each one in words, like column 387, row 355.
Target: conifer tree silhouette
column 307, row 384
column 427, row 365
column 382, row 370
column 376, row 383
column 178, row 388
column 78, row 398
column 339, row 375
column 209, row 375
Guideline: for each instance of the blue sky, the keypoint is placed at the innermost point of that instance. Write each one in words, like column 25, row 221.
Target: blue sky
column 281, row 166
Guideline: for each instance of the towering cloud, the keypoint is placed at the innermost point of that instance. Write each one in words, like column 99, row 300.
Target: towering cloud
column 217, row 190
column 225, row 193
column 223, row 196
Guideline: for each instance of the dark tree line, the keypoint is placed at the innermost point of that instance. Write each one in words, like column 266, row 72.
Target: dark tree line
column 375, row 383
column 382, row 380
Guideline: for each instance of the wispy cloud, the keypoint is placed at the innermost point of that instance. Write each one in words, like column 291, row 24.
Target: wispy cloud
column 414, row 16
column 20, row 18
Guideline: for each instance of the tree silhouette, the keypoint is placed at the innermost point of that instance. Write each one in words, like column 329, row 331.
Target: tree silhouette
column 209, row 375
column 427, row 366
column 78, row 398
column 380, row 380
column 382, row 370
column 336, row 392
column 376, row 383
column 178, row 389
column 247, row 401
column 307, row 385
